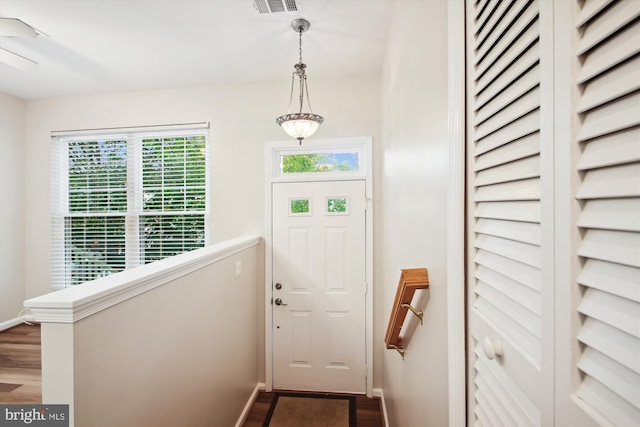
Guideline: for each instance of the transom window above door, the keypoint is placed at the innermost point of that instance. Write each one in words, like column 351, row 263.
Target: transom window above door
column 319, row 163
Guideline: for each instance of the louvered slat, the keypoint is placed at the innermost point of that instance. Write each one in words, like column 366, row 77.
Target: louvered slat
column 482, row 418
column 614, row 181
column 616, row 17
column 522, row 273
column 486, row 396
column 518, row 149
column 507, row 390
column 512, row 171
column 524, row 319
column 522, row 296
column 489, row 29
column 522, row 331
column 614, row 149
column 613, row 246
column 616, row 214
column 617, row 312
column 482, row 20
column 618, row 411
column 620, row 380
column 491, row 418
column 527, row 211
column 611, row 341
column 615, row 279
column 515, row 89
column 622, row 81
column 480, row 7
column 522, row 127
column 613, row 117
column 519, row 231
column 590, row 9
column 614, row 51
column 520, row 107
column 522, row 65
column 527, row 254
column 508, row 17
column 528, row 189
column 520, row 36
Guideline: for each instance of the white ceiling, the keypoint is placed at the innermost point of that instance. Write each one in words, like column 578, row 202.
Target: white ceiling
column 98, row 46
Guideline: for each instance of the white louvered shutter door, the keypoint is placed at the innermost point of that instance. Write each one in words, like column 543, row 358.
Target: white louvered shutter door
column 510, row 208
column 608, row 138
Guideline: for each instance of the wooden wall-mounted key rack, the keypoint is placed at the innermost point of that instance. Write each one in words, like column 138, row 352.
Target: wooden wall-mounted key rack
column 411, row 280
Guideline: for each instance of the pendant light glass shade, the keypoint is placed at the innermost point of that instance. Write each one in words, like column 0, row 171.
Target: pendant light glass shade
column 300, row 125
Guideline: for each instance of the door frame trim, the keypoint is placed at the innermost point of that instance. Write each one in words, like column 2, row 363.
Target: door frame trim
column 456, row 231
column 272, row 149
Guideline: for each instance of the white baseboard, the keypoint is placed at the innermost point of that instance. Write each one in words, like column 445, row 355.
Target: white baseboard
column 10, row 323
column 249, row 405
column 377, row 392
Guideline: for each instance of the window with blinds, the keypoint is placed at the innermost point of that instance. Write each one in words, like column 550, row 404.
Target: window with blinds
column 126, row 199
column 608, row 139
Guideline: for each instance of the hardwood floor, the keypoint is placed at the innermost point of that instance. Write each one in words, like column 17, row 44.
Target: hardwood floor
column 20, row 365
column 368, row 412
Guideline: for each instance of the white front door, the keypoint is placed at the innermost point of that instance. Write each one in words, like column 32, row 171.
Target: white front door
column 319, row 286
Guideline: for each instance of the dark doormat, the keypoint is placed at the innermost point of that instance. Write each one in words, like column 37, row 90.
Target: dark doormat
column 311, row 410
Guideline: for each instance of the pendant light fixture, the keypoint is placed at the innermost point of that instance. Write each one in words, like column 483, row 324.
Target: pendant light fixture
column 300, row 125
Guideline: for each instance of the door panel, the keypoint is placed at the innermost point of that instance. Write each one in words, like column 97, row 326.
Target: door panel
column 608, row 220
column 510, row 216
column 319, row 268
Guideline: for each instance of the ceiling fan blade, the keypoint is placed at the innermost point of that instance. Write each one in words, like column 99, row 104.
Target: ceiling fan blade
column 17, row 61
column 12, row 27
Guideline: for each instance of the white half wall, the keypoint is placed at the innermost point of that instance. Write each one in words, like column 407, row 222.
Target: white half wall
column 182, row 352
column 411, row 208
column 12, row 208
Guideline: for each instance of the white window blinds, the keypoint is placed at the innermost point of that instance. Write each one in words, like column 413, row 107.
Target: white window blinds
column 126, row 198
column 608, row 139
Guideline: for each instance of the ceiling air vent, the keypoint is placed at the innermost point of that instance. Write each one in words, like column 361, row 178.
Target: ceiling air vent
column 275, row 6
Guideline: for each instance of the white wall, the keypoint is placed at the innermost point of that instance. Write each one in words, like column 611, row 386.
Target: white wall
column 12, row 209
column 242, row 118
column 411, row 207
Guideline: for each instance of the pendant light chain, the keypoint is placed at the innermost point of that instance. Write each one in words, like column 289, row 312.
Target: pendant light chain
column 301, row 74
column 303, row 84
column 300, row 47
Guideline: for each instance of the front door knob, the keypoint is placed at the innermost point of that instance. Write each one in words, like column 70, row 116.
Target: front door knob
column 278, row 301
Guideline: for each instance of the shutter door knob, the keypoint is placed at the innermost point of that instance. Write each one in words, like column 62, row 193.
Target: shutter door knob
column 492, row 348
